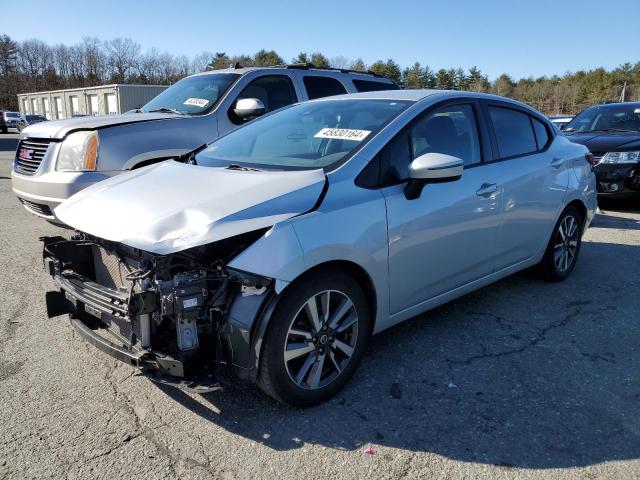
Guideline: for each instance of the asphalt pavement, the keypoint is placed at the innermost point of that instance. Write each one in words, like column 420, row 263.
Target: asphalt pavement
column 522, row 379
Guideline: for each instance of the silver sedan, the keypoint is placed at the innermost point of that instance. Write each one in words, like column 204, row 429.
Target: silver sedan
column 301, row 234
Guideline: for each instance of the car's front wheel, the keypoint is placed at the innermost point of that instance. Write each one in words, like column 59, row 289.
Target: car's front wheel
column 315, row 338
column 564, row 246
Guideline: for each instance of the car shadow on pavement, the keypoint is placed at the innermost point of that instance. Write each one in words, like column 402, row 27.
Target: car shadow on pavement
column 522, row 373
column 602, row 220
column 630, row 205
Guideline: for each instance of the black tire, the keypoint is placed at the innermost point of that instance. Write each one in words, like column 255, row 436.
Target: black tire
column 274, row 376
column 549, row 267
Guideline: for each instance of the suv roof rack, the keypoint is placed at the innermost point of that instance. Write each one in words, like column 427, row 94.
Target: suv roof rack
column 309, row 66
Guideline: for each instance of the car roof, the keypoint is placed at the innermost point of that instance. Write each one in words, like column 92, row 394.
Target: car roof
column 415, row 95
column 617, row 104
column 283, row 68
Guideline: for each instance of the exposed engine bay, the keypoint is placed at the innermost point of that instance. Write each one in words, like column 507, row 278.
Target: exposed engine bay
column 170, row 314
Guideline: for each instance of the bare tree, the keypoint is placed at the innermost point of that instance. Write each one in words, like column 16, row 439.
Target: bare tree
column 94, row 61
column 122, row 55
column 201, row 62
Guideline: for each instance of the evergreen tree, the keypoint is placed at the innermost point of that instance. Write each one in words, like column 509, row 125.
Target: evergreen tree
column 358, row 65
column 319, row 60
column 264, row 58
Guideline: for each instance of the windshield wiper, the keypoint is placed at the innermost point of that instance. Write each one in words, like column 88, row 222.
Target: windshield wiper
column 236, row 166
column 166, row 110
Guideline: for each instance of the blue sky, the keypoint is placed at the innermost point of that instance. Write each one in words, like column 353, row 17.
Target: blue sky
column 522, row 38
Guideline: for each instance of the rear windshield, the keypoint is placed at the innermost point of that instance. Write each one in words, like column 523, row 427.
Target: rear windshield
column 193, row 95
column 305, row 136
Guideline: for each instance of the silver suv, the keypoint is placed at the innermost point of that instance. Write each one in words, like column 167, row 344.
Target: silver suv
column 56, row 159
column 13, row 120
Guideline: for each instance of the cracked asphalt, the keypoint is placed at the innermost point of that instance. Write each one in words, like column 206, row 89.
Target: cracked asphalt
column 522, row 379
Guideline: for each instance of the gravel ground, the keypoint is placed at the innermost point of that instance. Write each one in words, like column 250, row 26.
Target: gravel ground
column 522, row 379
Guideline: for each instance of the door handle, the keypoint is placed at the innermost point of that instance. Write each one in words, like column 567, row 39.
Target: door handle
column 557, row 162
column 487, row 189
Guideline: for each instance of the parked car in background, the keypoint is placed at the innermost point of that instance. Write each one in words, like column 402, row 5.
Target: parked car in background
column 59, row 158
column 12, row 120
column 612, row 133
column 276, row 251
column 31, row 119
column 560, row 120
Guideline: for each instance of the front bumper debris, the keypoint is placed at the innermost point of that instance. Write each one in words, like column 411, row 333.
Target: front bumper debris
column 184, row 319
column 618, row 179
column 103, row 317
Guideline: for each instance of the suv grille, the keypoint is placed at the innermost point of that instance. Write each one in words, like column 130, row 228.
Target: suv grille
column 37, row 208
column 30, row 153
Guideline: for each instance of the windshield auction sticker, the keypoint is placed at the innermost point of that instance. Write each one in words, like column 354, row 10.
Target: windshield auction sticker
column 343, row 134
column 197, row 102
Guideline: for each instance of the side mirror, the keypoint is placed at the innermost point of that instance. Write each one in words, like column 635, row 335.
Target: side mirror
column 249, row 108
column 432, row 168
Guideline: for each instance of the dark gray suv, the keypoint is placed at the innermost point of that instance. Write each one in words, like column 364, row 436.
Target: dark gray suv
column 56, row 159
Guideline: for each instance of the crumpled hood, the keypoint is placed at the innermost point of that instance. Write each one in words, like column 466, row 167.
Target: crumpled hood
column 60, row 128
column 170, row 206
column 607, row 141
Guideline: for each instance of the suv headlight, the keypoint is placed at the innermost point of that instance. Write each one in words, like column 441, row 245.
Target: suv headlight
column 79, row 151
column 621, row 157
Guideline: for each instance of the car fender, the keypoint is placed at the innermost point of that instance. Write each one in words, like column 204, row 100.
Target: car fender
column 353, row 231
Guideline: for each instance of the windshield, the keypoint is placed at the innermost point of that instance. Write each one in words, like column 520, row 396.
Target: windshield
column 306, row 136
column 606, row 118
column 12, row 115
column 192, row 95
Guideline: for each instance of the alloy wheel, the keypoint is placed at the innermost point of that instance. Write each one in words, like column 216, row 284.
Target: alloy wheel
column 565, row 247
column 321, row 339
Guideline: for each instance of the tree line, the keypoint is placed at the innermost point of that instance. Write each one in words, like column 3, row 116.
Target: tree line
column 32, row 65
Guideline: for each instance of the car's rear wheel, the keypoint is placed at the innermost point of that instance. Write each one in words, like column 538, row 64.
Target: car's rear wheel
column 564, row 246
column 315, row 339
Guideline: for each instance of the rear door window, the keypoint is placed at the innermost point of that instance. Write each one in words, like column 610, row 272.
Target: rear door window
column 318, row 87
column 373, row 86
column 542, row 136
column 514, row 132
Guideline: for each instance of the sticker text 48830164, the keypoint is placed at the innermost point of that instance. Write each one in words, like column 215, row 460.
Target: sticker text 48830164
column 343, row 134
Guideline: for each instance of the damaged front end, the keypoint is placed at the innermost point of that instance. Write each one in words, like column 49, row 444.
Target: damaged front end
column 184, row 318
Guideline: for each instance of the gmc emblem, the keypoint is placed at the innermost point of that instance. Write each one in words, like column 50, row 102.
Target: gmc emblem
column 25, row 153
